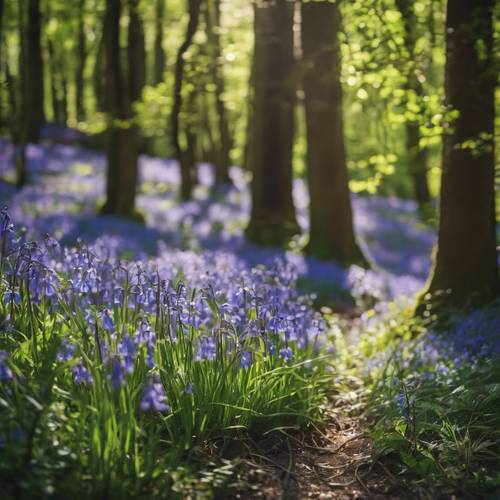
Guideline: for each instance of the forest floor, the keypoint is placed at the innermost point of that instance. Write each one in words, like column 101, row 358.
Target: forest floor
column 334, row 460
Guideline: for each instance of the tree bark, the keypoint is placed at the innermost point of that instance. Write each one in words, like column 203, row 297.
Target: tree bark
column 331, row 221
column 212, row 17
column 122, row 147
column 81, row 56
column 33, row 68
column 99, row 71
column 186, row 167
column 56, row 88
column 417, row 156
column 136, row 52
column 2, row 83
column 273, row 219
column 159, row 52
column 466, row 267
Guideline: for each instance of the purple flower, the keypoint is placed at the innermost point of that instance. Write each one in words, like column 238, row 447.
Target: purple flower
column 6, row 228
column 245, row 359
column 128, row 348
column 107, row 321
column 66, row 352
column 5, row 371
column 153, row 396
column 207, row 349
column 117, row 374
column 81, row 375
column 286, row 354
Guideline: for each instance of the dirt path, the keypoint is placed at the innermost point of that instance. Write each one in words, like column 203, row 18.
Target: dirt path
column 333, row 463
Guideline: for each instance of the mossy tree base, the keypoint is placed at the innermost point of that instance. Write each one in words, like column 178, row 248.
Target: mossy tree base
column 271, row 233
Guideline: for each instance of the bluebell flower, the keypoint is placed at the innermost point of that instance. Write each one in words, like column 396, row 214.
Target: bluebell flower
column 286, row 354
column 6, row 227
column 81, row 374
column 117, row 373
column 107, row 321
column 245, row 359
column 206, row 349
column 128, row 349
column 66, row 351
column 5, row 371
column 153, row 396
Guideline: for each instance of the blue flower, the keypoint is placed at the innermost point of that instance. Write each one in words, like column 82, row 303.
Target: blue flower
column 153, row 396
column 107, row 321
column 5, row 371
column 117, row 374
column 245, row 359
column 81, row 375
column 66, row 352
column 286, row 354
column 127, row 349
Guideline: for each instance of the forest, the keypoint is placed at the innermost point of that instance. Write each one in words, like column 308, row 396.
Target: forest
column 249, row 249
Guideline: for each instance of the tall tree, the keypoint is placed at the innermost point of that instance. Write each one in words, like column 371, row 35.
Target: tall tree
column 33, row 94
column 2, row 84
column 331, row 222
column 182, row 157
column 58, row 84
column 159, row 51
column 417, row 155
column 81, row 58
column 122, row 142
column 213, row 24
column 466, row 262
column 136, row 52
column 272, row 218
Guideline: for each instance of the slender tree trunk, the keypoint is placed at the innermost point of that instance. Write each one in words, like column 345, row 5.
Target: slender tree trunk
column 81, row 56
column 191, row 131
column 122, row 140
column 212, row 16
column 2, row 83
column 273, row 219
column 136, row 52
column 99, row 71
column 55, row 92
column 466, row 266
column 159, row 52
column 21, row 122
column 186, row 168
column 331, row 222
column 34, row 84
column 417, row 156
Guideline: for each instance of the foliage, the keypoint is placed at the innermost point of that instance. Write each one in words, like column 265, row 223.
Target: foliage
column 436, row 398
column 113, row 373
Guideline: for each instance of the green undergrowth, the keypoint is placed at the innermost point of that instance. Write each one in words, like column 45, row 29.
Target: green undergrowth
column 93, row 441
column 434, row 400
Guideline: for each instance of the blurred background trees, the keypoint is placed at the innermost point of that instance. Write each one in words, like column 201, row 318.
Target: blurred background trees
column 350, row 94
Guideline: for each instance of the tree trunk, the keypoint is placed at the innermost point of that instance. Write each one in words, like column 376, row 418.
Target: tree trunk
column 21, row 122
column 159, row 52
column 186, row 168
column 122, row 138
column 466, row 267
column 33, row 67
column 56, row 92
column 331, row 223
column 99, row 71
column 2, row 83
column 273, row 219
column 81, row 56
column 136, row 52
column 223, row 160
column 417, row 156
